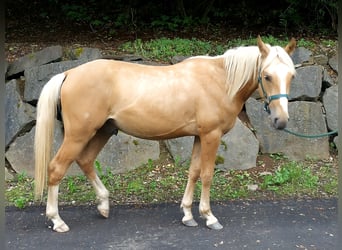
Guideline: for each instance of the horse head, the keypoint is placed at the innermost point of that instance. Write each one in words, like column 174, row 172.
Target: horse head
column 275, row 74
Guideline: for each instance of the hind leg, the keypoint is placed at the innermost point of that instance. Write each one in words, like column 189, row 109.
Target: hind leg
column 66, row 154
column 86, row 162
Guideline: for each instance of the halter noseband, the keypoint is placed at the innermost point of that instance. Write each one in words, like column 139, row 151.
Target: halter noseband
column 269, row 99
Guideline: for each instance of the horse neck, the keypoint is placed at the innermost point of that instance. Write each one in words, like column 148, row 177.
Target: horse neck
column 247, row 90
column 250, row 87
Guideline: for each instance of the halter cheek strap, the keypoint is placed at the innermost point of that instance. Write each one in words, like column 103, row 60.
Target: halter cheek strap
column 269, row 99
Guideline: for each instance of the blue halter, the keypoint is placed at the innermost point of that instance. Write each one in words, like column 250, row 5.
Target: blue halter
column 269, row 99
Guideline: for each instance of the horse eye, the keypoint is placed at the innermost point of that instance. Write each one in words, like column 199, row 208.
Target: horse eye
column 268, row 78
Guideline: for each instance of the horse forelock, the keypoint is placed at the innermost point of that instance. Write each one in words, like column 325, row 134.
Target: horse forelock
column 241, row 65
column 277, row 52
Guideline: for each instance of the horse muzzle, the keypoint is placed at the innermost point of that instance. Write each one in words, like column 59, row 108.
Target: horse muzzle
column 279, row 122
column 278, row 111
column 279, row 117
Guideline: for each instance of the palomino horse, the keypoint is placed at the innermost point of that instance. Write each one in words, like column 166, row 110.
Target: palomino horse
column 199, row 97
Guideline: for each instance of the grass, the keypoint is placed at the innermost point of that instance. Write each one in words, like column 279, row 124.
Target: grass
column 287, row 179
column 163, row 49
column 154, row 182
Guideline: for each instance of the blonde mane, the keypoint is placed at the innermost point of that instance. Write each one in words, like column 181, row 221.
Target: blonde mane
column 240, row 64
column 244, row 63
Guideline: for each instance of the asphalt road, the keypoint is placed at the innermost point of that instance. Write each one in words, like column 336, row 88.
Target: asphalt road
column 288, row 224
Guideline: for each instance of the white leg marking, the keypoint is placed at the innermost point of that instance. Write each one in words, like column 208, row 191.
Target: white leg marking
column 52, row 210
column 188, row 219
column 102, row 195
column 187, row 214
column 205, row 211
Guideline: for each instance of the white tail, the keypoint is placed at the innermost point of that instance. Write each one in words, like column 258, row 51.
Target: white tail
column 45, row 125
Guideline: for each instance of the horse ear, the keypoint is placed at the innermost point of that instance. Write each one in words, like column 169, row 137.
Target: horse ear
column 291, row 46
column 264, row 50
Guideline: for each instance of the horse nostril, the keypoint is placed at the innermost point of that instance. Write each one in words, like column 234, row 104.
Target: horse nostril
column 279, row 124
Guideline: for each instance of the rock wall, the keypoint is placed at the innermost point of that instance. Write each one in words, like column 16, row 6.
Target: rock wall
column 312, row 108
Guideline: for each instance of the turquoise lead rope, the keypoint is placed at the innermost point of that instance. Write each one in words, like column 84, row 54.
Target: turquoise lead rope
column 311, row 136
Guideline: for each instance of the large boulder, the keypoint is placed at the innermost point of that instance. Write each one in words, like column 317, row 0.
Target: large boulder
column 21, row 152
column 305, row 118
column 238, row 149
column 19, row 116
column 330, row 101
column 321, row 59
column 180, row 148
column 327, row 80
column 301, row 55
column 121, row 154
column 39, row 58
column 336, row 142
column 84, row 53
column 37, row 77
column 333, row 62
column 307, row 84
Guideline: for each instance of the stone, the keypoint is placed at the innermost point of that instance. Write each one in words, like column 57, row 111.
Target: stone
column 252, row 187
column 124, row 57
column 305, row 118
column 330, row 102
column 301, row 55
column 327, row 80
column 151, row 63
column 19, row 116
column 47, row 55
column 238, row 149
column 178, row 59
column 8, row 175
column 21, row 152
column 307, row 84
column 336, row 142
column 86, row 54
column 37, row 77
column 122, row 153
column 333, row 63
column 321, row 59
column 180, row 148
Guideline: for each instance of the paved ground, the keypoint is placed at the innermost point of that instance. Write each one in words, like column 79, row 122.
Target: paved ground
column 290, row 224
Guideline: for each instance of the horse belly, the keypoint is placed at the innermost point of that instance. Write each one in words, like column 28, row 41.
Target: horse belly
column 155, row 125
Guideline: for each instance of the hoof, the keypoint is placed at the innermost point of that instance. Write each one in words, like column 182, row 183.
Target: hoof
column 104, row 212
column 62, row 228
column 190, row 223
column 215, row 226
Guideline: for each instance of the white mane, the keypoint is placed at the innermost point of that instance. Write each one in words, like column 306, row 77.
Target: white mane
column 240, row 64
